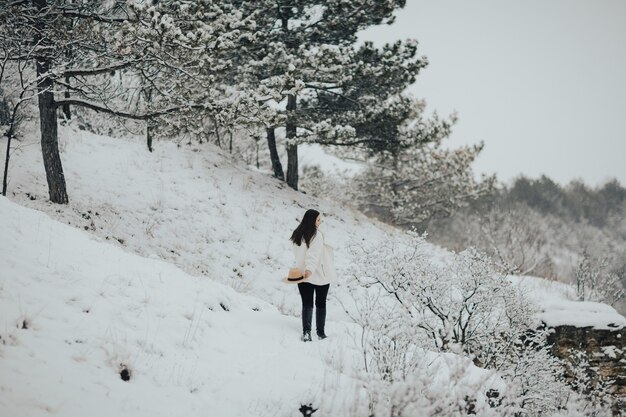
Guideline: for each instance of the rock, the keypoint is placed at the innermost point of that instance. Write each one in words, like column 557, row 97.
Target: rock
column 603, row 348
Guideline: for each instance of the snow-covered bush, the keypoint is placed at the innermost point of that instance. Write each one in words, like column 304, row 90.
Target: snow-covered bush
column 403, row 379
column 536, row 376
column 587, row 382
column 442, row 386
column 320, row 184
column 459, row 306
column 596, row 282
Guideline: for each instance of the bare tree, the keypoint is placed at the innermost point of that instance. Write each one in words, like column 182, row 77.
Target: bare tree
column 596, row 282
column 16, row 75
column 515, row 237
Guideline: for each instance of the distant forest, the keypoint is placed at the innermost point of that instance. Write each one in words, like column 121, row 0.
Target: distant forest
column 573, row 233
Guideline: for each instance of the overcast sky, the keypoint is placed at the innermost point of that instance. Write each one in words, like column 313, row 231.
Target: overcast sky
column 541, row 82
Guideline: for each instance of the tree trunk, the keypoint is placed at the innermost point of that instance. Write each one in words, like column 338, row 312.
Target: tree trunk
column 6, row 162
column 217, row 133
column 66, row 106
column 48, row 125
column 292, row 148
column 150, row 123
column 69, row 55
column 149, row 128
column 49, row 139
column 271, row 144
column 292, row 166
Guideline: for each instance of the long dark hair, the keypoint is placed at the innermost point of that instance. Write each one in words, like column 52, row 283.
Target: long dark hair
column 306, row 229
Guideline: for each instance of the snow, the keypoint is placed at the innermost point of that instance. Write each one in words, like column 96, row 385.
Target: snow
column 611, row 351
column 170, row 263
column 558, row 305
column 88, row 307
column 192, row 206
column 581, row 314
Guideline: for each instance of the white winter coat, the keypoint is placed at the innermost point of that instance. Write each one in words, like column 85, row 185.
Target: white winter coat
column 317, row 258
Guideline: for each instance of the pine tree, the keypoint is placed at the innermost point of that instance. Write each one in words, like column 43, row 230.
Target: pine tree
column 302, row 50
column 421, row 181
column 78, row 47
column 365, row 105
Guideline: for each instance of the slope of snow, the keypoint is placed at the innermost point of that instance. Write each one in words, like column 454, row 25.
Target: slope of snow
column 213, row 217
column 75, row 310
column 558, row 305
column 192, row 206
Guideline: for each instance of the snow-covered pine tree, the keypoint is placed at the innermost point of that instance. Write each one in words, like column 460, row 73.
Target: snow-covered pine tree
column 421, row 181
column 77, row 48
column 303, row 49
column 363, row 105
column 202, row 41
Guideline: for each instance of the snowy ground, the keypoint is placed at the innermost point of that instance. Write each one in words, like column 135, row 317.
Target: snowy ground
column 192, row 206
column 174, row 271
column 75, row 310
column 557, row 306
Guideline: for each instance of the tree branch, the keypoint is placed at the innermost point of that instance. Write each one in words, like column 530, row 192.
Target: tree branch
column 95, row 71
column 145, row 116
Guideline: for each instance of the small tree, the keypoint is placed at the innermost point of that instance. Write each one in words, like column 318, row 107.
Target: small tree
column 12, row 104
column 421, row 181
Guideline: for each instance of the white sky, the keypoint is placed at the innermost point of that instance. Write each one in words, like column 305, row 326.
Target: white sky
column 541, row 82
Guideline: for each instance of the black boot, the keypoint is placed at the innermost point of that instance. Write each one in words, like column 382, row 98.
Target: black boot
column 307, row 317
column 320, row 321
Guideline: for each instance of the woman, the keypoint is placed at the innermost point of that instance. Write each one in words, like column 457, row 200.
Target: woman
column 315, row 258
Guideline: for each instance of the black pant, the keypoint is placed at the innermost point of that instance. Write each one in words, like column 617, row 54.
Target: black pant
column 306, row 293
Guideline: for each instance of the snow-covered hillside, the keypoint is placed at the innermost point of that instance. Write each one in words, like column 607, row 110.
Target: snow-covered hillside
column 192, row 206
column 198, row 208
column 76, row 311
column 174, row 272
